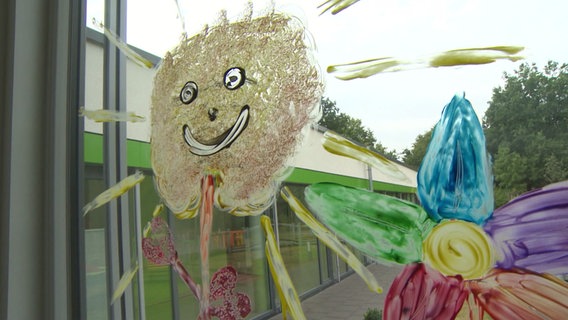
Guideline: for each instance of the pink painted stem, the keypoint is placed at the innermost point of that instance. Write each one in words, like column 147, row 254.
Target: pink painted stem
column 205, row 223
column 184, row 275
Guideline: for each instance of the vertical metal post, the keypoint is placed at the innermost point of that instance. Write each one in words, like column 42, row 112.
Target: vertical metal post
column 173, row 276
column 370, row 176
column 138, row 231
column 115, row 162
column 276, row 232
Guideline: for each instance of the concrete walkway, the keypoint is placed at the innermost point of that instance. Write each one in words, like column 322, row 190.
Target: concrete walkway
column 350, row 298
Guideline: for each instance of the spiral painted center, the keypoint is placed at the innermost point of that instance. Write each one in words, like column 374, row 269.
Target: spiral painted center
column 458, row 247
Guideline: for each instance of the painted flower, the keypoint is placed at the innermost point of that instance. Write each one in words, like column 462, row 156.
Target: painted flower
column 455, row 247
column 158, row 247
column 233, row 305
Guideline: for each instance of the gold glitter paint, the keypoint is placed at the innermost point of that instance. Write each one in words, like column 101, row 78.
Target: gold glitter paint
column 282, row 94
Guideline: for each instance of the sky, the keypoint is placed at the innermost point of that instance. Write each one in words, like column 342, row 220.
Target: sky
column 397, row 106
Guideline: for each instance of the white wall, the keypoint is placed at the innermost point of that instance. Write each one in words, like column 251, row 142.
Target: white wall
column 138, row 92
column 311, row 155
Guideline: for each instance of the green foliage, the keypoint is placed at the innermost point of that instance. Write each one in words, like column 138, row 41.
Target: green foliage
column 351, row 128
column 526, row 129
column 373, row 314
column 413, row 157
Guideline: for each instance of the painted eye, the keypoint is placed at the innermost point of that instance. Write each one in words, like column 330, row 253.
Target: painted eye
column 234, row 78
column 188, row 92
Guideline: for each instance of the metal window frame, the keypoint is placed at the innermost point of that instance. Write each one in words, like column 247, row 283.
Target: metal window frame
column 41, row 81
column 115, row 163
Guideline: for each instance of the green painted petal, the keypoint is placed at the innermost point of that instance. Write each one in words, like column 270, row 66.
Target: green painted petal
column 382, row 227
column 331, row 240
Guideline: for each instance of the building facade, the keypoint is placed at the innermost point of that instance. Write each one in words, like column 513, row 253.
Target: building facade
column 235, row 241
column 53, row 162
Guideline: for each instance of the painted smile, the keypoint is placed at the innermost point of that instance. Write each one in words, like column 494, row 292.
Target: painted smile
column 220, row 142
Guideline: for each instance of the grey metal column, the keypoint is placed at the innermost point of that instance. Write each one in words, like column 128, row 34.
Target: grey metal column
column 139, row 254
column 40, row 89
column 115, row 162
column 173, row 275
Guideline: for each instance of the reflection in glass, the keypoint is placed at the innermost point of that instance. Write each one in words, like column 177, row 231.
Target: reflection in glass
column 235, row 241
column 157, row 288
column 298, row 246
column 95, row 250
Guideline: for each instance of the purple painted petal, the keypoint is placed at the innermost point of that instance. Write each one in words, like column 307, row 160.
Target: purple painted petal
column 531, row 231
column 420, row 292
column 454, row 179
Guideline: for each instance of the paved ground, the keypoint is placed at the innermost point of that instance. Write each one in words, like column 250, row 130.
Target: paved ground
column 350, row 298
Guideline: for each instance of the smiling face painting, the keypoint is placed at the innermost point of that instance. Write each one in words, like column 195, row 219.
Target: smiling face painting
column 232, row 101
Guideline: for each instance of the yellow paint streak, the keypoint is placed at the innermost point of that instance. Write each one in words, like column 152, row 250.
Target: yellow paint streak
column 338, row 145
column 451, row 58
column 122, row 46
column 474, row 56
column 157, row 211
column 330, row 240
column 336, row 5
column 114, row 192
column 103, row 115
column 191, row 211
column 123, row 283
column 286, row 291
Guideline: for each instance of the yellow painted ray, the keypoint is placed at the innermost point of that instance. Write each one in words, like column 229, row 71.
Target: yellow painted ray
column 286, row 291
column 157, row 211
column 451, row 58
column 336, row 5
column 122, row 46
column 330, row 240
column 123, row 283
column 191, row 211
column 103, row 115
column 338, row 145
column 114, row 192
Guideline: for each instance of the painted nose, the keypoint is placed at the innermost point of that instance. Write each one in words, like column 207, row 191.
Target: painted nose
column 212, row 112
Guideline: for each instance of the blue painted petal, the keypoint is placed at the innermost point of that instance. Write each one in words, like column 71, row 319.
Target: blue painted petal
column 454, row 179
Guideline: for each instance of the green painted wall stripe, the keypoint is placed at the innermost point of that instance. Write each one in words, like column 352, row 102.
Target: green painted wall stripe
column 306, row 176
column 93, row 148
column 137, row 152
column 138, row 155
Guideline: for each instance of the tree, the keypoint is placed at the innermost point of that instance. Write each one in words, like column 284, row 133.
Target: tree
column 349, row 127
column 526, row 129
column 414, row 156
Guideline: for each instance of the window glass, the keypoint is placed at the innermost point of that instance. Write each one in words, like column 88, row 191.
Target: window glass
column 157, row 285
column 95, row 249
column 298, row 245
column 236, row 242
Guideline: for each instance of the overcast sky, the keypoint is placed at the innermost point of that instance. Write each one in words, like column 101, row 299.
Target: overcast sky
column 395, row 106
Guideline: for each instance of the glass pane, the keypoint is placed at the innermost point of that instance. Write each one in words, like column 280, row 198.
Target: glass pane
column 323, row 258
column 95, row 249
column 298, row 246
column 235, row 241
column 157, row 286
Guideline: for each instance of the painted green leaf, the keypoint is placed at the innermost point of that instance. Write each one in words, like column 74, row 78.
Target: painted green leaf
column 382, row 227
